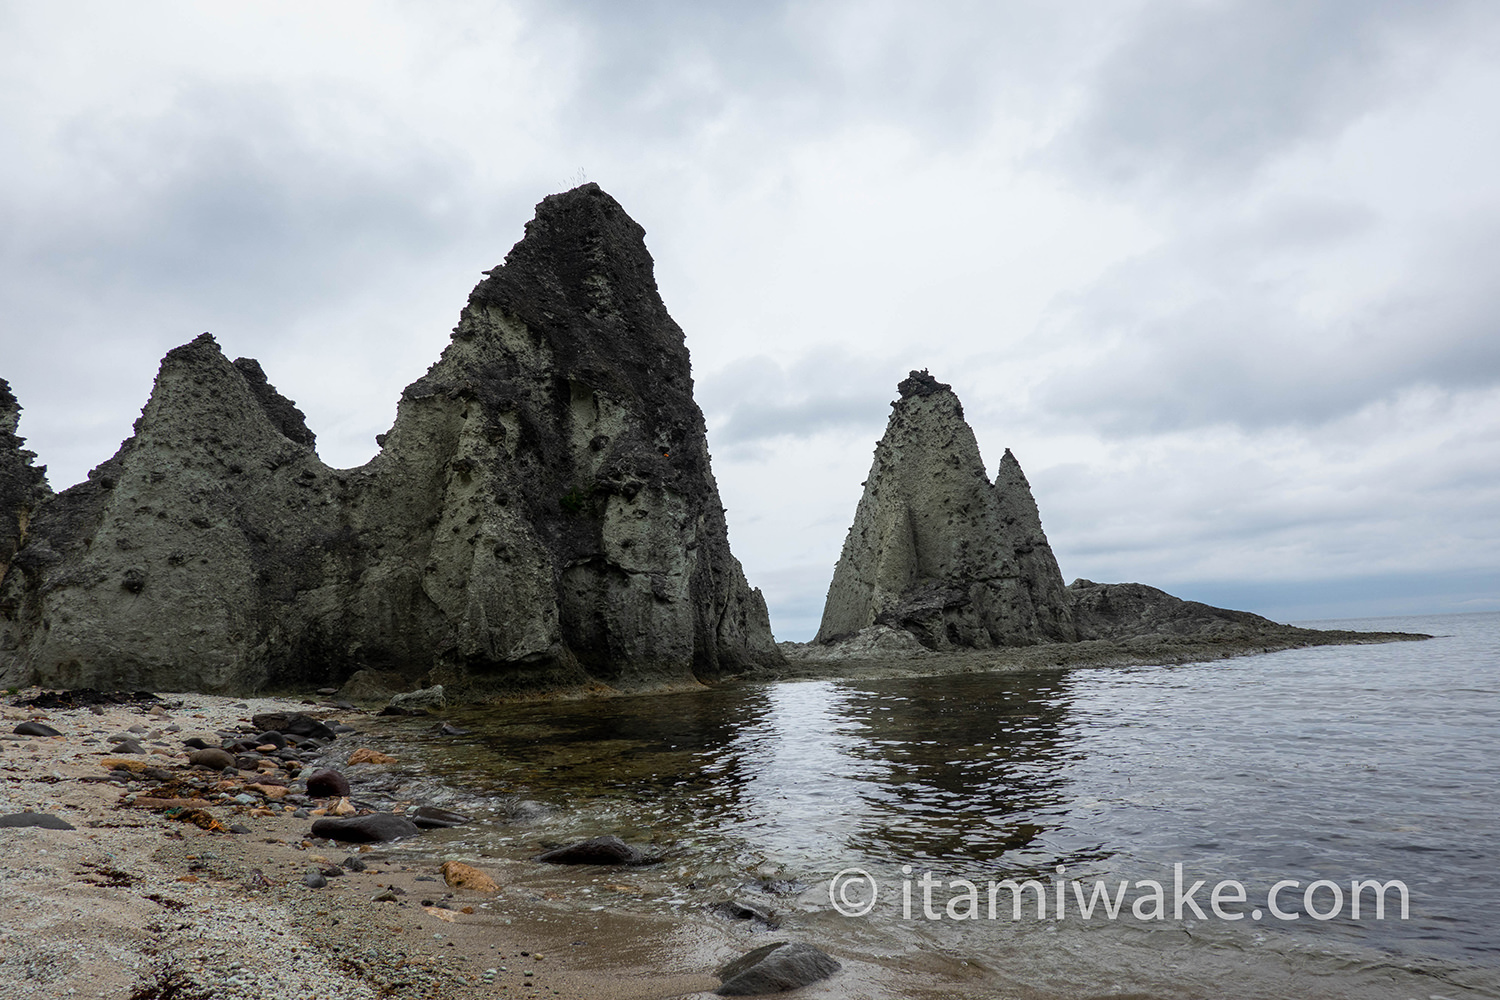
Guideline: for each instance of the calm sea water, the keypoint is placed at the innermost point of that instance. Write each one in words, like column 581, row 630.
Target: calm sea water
column 1339, row 763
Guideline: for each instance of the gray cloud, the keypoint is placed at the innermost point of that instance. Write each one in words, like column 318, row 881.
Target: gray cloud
column 1199, row 93
column 1365, row 595
column 665, row 70
column 1144, row 354
column 237, row 196
column 757, row 399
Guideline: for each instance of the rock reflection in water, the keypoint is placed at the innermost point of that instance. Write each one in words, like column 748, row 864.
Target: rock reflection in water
column 964, row 774
column 934, row 772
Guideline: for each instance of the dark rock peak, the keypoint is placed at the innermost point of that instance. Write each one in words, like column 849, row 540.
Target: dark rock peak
column 10, row 409
column 921, row 383
column 1010, row 468
column 200, row 350
column 282, row 411
column 22, row 485
column 583, row 280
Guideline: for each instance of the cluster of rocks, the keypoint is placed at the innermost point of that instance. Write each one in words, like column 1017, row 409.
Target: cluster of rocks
column 276, row 765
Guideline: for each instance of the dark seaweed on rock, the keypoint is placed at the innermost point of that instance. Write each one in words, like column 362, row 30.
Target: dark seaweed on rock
column 23, row 486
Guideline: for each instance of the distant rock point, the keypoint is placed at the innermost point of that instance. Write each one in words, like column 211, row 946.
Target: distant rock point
column 920, row 383
column 939, row 551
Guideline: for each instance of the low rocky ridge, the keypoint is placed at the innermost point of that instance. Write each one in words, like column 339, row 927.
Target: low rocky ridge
column 542, row 514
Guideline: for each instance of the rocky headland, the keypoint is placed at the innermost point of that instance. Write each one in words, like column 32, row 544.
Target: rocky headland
column 542, row 516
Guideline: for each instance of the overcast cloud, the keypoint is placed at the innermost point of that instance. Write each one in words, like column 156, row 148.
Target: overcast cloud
column 1220, row 273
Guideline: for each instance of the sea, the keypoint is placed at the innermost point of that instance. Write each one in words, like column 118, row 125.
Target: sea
column 879, row 818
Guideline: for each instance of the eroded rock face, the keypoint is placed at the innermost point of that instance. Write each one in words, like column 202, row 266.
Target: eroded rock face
column 542, row 512
column 939, row 551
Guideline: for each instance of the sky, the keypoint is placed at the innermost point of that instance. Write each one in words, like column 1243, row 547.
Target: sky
column 1222, row 275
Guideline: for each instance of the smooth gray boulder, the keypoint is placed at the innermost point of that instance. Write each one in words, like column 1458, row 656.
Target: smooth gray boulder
column 542, row 513
column 421, row 698
column 35, row 729
column 939, row 551
column 213, row 758
column 775, row 968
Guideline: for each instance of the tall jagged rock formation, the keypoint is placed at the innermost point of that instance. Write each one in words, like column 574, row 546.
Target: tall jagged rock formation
column 542, row 512
column 23, row 486
column 938, row 550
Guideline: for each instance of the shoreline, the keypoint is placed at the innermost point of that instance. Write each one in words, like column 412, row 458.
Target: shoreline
column 133, row 903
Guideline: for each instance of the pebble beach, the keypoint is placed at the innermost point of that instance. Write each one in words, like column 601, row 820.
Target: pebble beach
column 127, row 871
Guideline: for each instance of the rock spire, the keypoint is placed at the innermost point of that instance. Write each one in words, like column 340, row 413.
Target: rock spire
column 937, row 549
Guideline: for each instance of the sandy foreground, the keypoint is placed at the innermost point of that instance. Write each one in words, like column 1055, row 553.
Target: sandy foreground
column 133, row 903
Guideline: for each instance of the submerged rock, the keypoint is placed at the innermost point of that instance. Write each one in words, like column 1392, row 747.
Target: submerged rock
column 461, row 876
column 733, row 909
column 609, row 850
column 327, row 783
column 775, row 968
column 435, row 818
column 541, row 513
column 936, row 549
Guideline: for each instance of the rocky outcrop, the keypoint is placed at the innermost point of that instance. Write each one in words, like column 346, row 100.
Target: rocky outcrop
column 22, row 485
column 541, row 513
column 939, row 551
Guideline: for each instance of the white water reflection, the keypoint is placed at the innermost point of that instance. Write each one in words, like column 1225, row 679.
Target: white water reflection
column 808, row 788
